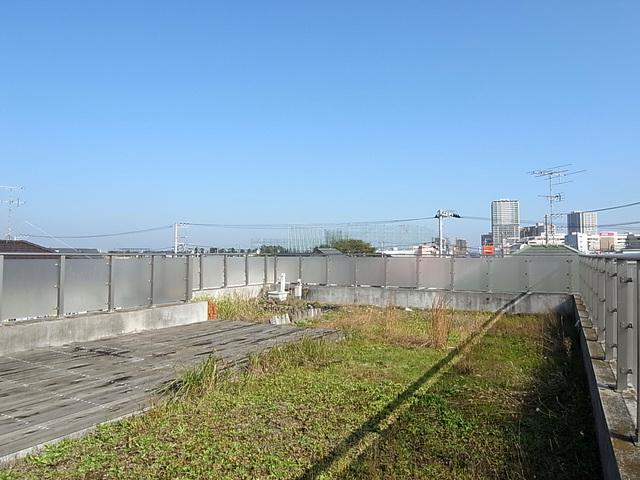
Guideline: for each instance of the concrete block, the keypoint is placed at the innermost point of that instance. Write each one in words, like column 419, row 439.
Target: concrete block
column 26, row 335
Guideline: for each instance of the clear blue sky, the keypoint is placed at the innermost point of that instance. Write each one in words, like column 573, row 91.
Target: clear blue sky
column 124, row 115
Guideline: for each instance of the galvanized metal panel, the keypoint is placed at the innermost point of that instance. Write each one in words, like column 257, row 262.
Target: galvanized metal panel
column 271, row 262
column 434, row 272
column 290, row 267
column 341, row 270
column 29, row 287
column 132, row 279
column 212, row 271
column 195, row 274
column 235, row 271
column 508, row 274
column 169, row 279
column 370, row 271
column 86, row 285
column 314, row 270
column 401, row 272
column 256, row 270
column 549, row 274
column 470, row 274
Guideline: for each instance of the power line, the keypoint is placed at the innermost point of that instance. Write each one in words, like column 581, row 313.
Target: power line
column 102, row 235
column 615, row 207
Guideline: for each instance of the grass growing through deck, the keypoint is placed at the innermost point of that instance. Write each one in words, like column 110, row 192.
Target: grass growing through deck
column 360, row 408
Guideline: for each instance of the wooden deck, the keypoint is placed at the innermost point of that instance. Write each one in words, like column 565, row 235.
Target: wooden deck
column 52, row 393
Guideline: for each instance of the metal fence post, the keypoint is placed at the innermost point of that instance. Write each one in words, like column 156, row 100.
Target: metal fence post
column 489, row 284
column 225, row 276
column 637, row 365
column 300, row 268
column 275, row 270
column 110, row 295
column 625, row 324
column 610, row 320
column 602, row 299
column 189, row 279
column 418, row 262
column 1, row 283
column 266, row 270
column 152, row 281
column 326, row 269
column 201, row 272
column 61, row 274
column 453, row 275
column 246, row 269
column 355, row 271
column 384, row 264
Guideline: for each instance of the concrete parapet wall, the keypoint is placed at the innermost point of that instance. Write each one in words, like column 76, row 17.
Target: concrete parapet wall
column 248, row 291
column 25, row 335
column 422, row 298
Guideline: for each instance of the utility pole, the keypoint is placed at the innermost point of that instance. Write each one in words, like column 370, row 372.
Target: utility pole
column 11, row 202
column 440, row 214
column 176, row 236
column 554, row 175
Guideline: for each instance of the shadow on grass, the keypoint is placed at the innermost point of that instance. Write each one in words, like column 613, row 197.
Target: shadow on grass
column 373, row 423
column 481, row 426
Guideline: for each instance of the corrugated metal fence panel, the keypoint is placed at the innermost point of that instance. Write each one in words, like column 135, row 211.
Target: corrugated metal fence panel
column 341, row 270
column 508, row 274
column 235, row 271
column 169, row 279
column 86, row 285
column 401, row 272
column 212, row 272
column 256, row 270
column 314, row 270
column 132, row 281
column 370, row 271
column 29, row 288
column 290, row 267
column 471, row 274
column 550, row 274
column 435, row 272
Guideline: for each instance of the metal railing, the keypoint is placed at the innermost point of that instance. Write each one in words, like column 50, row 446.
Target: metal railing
column 610, row 288
column 49, row 285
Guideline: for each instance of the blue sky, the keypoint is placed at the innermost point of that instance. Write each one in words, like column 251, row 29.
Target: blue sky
column 124, row 115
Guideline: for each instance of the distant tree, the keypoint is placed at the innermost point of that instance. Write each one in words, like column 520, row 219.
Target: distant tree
column 353, row 245
column 272, row 249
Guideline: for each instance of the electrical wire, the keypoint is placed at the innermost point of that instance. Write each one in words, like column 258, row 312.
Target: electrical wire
column 103, row 235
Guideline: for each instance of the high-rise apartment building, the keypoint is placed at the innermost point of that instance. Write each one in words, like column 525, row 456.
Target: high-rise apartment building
column 505, row 222
column 582, row 222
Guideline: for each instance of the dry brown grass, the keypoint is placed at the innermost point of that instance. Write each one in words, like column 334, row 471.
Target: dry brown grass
column 440, row 321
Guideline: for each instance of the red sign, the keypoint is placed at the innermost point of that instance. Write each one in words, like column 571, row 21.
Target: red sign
column 488, row 250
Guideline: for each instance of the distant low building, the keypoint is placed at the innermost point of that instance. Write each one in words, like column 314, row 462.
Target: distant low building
column 612, row 242
column 583, row 242
column 633, row 241
column 22, row 246
column 486, row 239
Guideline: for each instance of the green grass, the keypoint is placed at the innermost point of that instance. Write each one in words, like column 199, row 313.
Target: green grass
column 359, row 408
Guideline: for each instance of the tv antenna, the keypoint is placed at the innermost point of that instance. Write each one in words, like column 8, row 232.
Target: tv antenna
column 12, row 203
column 556, row 176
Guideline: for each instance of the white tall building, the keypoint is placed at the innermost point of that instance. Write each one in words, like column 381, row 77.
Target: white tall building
column 505, row 222
column 582, row 222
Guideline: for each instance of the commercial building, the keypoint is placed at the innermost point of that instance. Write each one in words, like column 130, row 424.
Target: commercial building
column 505, row 222
column 582, row 222
column 583, row 242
